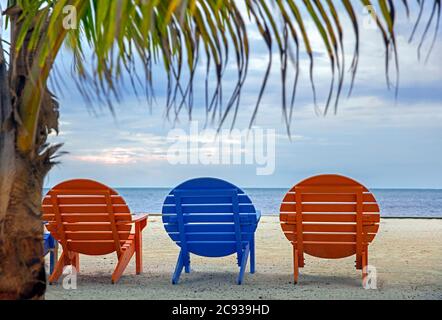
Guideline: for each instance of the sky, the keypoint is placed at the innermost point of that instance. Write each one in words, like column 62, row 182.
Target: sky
column 374, row 138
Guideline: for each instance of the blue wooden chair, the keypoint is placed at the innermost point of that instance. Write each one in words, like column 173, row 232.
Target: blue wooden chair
column 211, row 218
column 51, row 247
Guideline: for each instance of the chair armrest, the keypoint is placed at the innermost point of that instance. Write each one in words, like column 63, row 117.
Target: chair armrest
column 140, row 221
column 138, row 217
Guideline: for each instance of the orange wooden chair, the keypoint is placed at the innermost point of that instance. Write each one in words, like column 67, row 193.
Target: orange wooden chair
column 87, row 217
column 330, row 216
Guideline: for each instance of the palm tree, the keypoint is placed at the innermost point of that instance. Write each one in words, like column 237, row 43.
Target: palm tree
column 177, row 34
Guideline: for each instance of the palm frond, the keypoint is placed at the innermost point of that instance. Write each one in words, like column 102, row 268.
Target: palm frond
column 181, row 34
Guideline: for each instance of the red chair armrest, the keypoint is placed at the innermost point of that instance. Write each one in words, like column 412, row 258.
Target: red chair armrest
column 140, row 219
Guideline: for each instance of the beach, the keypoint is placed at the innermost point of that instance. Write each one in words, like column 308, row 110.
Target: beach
column 407, row 255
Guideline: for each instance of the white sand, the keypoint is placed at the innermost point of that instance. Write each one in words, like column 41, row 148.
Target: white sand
column 406, row 253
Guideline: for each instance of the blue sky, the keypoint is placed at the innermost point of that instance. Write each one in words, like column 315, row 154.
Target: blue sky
column 381, row 142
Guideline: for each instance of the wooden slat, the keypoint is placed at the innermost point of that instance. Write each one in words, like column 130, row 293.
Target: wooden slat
column 328, row 189
column 95, row 242
column 361, row 238
column 215, row 208
column 116, row 236
column 81, row 192
column 332, row 227
column 210, row 236
column 90, row 226
column 205, row 227
column 97, row 208
column 212, row 248
column 330, row 250
column 214, row 218
column 299, row 236
column 95, row 235
column 242, row 198
column 58, row 221
column 329, row 180
column 329, row 197
column 214, row 243
column 328, row 237
column 93, row 199
column 96, row 217
column 330, row 217
column 341, row 207
column 205, row 192
column 94, row 247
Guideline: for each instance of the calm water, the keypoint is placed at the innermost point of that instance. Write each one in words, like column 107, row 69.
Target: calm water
column 393, row 203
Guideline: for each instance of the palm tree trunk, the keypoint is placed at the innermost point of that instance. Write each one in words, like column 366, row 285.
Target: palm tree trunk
column 22, row 273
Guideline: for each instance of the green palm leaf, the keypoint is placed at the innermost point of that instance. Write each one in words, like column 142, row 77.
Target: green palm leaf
column 179, row 34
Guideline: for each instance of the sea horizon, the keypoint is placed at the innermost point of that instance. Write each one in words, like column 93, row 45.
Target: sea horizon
column 376, row 188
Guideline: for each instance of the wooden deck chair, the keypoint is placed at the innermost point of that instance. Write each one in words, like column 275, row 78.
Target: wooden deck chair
column 89, row 218
column 211, row 218
column 50, row 246
column 330, row 216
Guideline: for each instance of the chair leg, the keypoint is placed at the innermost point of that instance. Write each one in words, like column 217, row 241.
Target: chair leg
column 54, row 256
column 242, row 269
column 364, row 266
column 52, row 261
column 366, row 256
column 76, row 262
column 178, row 269
column 123, row 261
column 359, row 258
column 58, row 269
column 187, row 263
column 252, row 255
column 295, row 265
column 138, row 250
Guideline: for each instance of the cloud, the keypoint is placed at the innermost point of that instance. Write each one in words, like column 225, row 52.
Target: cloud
column 119, row 156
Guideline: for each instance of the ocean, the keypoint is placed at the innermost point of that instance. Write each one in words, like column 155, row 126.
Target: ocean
column 393, row 202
